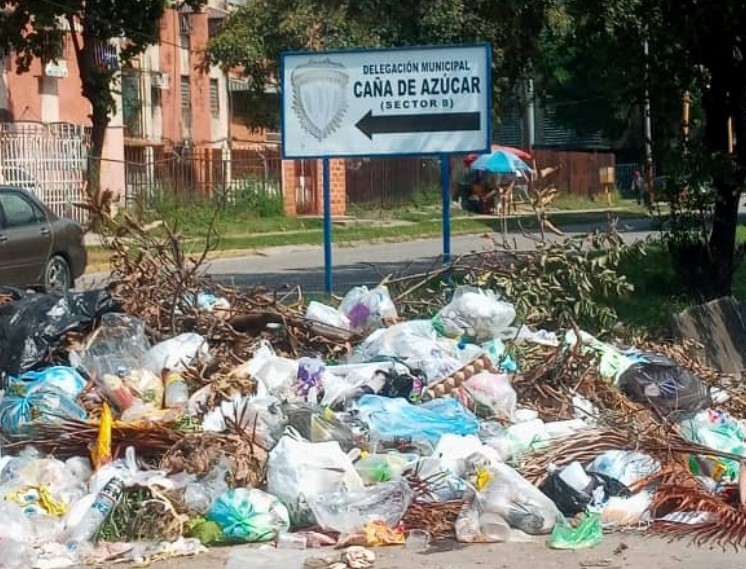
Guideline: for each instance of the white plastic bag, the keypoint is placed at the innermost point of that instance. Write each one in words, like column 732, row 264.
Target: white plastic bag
column 518, row 502
column 494, row 392
column 348, row 512
column 626, row 511
column 299, row 471
column 328, row 315
column 416, row 343
column 130, row 474
column 454, row 450
column 260, row 416
column 626, row 466
column 475, row 314
column 177, row 353
column 366, row 309
column 476, row 526
column 200, row 495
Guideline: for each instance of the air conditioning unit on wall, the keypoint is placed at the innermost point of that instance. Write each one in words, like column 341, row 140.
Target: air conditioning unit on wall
column 56, row 69
column 160, row 80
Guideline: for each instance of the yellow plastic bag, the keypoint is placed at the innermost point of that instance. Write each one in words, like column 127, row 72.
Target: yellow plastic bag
column 101, row 453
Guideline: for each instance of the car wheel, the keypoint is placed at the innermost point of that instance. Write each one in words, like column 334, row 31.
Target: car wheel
column 57, row 274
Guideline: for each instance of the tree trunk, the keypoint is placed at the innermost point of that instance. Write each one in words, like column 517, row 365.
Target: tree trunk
column 99, row 124
column 722, row 243
column 96, row 88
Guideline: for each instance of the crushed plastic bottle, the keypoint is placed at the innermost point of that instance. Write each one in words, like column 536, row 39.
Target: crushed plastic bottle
column 105, row 502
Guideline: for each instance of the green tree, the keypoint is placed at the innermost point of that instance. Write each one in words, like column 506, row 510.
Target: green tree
column 254, row 36
column 34, row 28
column 593, row 53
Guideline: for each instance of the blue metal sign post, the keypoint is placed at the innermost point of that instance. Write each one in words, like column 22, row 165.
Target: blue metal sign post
column 445, row 195
column 415, row 101
column 327, row 197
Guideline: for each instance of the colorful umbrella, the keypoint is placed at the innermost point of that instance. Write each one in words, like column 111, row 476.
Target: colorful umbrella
column 500, row 162
column 522, row 154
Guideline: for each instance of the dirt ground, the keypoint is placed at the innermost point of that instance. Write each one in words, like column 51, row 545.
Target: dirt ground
column 618, row 551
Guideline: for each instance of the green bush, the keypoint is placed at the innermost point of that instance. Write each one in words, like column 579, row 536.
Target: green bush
column 254, row 194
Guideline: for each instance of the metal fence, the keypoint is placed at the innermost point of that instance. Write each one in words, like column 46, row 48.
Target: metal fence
column 187, row 174
column 49, row 160
column 389, row 181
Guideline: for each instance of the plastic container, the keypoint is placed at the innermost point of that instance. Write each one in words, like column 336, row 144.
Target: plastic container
column 575, row 477
column 177, row 392
column 102, row 506
column 418, row 541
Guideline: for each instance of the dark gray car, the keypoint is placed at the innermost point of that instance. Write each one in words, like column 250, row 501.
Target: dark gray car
column 37, row 248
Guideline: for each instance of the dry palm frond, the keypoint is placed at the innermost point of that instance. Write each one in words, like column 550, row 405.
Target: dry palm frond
column 716, row 519
column 75, row 438
column 426, row 513
column 436, row 518
column 584, row 446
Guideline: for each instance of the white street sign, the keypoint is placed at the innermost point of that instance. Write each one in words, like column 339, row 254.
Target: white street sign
column 412, row 101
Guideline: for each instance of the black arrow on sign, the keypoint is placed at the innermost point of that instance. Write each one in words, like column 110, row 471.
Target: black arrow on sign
column 431, row 122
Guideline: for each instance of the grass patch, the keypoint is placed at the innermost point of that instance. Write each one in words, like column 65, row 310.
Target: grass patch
column 568, row 201
column 658, row 293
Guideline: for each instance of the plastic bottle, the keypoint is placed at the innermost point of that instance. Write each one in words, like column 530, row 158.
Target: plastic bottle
column 177, row 392
column 97, row 514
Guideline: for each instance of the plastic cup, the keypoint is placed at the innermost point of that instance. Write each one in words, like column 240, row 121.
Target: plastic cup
column 418, row 541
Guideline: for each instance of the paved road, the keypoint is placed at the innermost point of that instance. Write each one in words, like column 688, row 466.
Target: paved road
column 617, row 551
column 365, row 264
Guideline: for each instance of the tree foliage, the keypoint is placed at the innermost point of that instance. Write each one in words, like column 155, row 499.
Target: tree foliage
column 593, row 53
column 35, row 28
column 255, row 35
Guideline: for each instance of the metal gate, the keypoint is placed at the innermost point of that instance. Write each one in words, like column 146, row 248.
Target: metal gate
column 49, row 160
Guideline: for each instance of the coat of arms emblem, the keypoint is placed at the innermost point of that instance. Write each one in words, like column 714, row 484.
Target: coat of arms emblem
column 319, row 96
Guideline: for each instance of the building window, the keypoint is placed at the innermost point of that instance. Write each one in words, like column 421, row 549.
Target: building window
column 186, row 107
column 213, row 26
column 132, row 104
column 215, row 98
column 185, row 31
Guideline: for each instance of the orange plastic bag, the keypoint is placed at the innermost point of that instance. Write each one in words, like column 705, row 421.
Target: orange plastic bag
column 378, row 533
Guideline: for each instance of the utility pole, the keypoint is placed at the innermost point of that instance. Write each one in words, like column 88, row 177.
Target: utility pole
column 648, row 126
column 528, row 117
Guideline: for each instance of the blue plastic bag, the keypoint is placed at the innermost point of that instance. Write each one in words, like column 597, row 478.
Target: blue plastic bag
column 63, row 378
column 248, row 515
column 397, row 419
column 19, row 412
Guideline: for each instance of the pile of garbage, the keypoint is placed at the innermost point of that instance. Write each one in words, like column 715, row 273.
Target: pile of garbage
column 140, row 423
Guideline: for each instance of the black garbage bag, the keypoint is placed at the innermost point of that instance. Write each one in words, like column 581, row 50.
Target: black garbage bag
column 570, row 501
column 32, row 326
column 669, row 388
